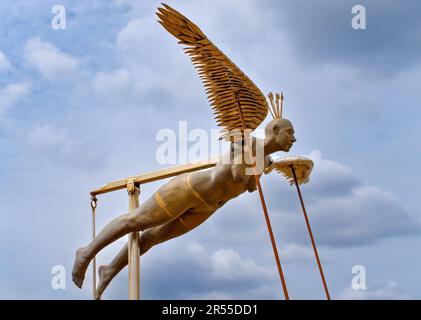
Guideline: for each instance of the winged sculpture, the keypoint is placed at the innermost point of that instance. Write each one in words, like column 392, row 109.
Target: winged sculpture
column 187, row 200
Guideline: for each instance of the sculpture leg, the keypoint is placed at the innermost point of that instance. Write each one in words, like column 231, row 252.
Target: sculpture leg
column 108, row 272
column 146, row 216
column 147, row 240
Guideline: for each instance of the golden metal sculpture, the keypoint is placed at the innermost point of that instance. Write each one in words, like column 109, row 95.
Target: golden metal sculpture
column 194, row 194
column 235, row 99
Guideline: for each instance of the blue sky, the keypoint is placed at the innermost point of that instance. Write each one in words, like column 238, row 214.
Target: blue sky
column 82, row 106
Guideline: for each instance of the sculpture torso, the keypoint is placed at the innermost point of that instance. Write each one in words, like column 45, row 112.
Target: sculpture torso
column 224, row 182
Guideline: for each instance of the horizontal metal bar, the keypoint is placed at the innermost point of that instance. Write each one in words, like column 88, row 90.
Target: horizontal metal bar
column 156, row 175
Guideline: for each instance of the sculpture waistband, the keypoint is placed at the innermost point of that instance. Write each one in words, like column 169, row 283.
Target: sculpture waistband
column 195, row 193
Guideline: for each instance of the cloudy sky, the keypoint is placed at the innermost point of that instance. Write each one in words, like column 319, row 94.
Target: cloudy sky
column 82, row 106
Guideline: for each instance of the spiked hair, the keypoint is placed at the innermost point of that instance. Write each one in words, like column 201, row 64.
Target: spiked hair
column 275, row 107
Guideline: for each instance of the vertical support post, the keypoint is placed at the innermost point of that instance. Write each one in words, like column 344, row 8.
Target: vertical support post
column 93, row 207
column 133, row 245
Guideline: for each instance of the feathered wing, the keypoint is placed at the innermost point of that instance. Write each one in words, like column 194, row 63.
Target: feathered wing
column 222, row 79
column 302, row 166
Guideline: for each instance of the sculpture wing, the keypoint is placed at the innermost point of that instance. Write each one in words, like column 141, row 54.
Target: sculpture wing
column 222, row 79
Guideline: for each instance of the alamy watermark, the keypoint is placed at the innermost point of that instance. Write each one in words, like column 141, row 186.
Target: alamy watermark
column 59, row 19
column 58, row 281
column 359, row 282
column 189, row 146
column 359, row 20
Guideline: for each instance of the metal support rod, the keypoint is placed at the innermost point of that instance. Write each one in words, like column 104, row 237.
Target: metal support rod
column 313, row 243
column 133, row 245
column 262, row 200
column 156, row 175
column 93, row 207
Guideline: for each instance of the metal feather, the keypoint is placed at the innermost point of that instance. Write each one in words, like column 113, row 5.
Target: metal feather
column 221, row 78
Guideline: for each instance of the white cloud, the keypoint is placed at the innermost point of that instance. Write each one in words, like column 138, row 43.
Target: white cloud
column 48, row 59
column 58, row 146
column 155, row 60
column 46, row 136
column 200, row 273
column 11, row 94
column 5, row 64
column 116, row 84
column 330, row 177
column 227, row 264
column 343, row 210
column 134, row 34
column 388, row 290
column 294, row 253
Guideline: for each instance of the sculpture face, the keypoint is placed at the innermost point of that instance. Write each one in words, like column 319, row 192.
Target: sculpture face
column 281, row 134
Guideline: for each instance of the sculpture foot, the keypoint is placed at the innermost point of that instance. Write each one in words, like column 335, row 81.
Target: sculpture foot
column 105, row 277
column 79, row 267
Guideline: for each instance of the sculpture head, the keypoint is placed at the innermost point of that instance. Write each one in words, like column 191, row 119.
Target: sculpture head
column 279, row 135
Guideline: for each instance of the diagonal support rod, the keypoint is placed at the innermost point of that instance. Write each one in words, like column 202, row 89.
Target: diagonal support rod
column 262, row 200
column 313, row 243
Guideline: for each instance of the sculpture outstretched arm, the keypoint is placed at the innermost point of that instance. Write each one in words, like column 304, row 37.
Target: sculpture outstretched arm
column 302, row 167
